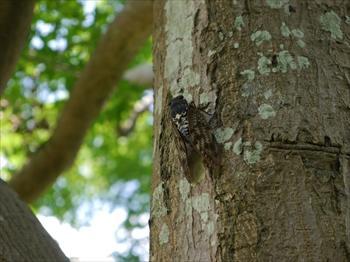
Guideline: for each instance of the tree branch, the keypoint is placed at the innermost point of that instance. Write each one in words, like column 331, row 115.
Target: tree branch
column 22, row 236
column 116, row 49
column 141, row 106
column 140, row 75
column 15, row 20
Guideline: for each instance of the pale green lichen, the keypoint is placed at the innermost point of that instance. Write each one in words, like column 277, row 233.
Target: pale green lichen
column 250, row 74
column 266, row 111
column 252, row 156
column 187, row 96
column 285, row 61
column 286, row 10
column 301, row 43
column 248, row 89
column 172, row 61
column 264, row 65
column 175, row 89
column 158, row 101
column 239, row 23
column 179, row 51
column 223, row 134
column 202, row 205
column 330, row 22
column 303, row 62
column 268, row 94
column 276, row 4
column 298, row 33
column 347, row 19
column 210, row 228
column 260, row 36
column 158, row 207
column 184, row 189
column 285, row 30
column 189, row 78
column 237, row 147
column 211, row 53
column 188, row 207
column 227, row 145
column 241, row 174
column 236, row 45
column 207, row 97
column 282, row 46
column 164, row 234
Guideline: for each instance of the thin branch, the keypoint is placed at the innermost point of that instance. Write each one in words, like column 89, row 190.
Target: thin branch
column 140, row 75
column 123, row 39
column 141, row 106
column 15, row 20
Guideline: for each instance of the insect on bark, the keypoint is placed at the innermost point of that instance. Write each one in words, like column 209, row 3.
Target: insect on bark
column 195, row 142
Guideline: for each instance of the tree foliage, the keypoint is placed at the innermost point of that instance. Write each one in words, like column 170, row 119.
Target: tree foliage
column 63, row 36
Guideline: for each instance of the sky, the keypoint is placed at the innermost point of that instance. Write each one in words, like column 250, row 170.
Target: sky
column 98, row 240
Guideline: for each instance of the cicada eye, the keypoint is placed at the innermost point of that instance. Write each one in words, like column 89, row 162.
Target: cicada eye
column 173, row 114
column 180, row 97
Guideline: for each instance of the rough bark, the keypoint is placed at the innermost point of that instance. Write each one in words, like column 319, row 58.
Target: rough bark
column 22, row 236
column 277, row 76
column 118, row 46
column 15, row 20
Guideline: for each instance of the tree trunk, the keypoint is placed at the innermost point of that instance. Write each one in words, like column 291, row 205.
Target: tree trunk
column 276, row 75
column 15, row 20
column 22, row 237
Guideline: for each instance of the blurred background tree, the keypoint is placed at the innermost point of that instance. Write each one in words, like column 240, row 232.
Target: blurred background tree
column 113, row 166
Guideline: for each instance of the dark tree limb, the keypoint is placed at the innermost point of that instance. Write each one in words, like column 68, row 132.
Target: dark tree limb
column 123, row 39
column 15, row 20
column 22, row 236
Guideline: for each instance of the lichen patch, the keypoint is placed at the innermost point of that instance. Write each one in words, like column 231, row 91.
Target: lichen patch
column 239, row 23
column 276, row 4
column 264, row 65
column 202, row 205
column 158, row 207
column 179, row 53
column 184, row 189
column 303, row 62
column 330, row 22
column 252, row 155
column 223, row 134
column 164, row 234
column 259, row 37
column 237, row 147
column 249, row 74
column 266, row 111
